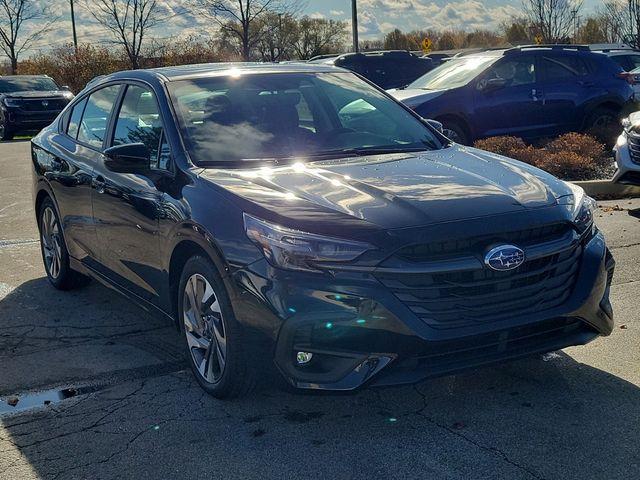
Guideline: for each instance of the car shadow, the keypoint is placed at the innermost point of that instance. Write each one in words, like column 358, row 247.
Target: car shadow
column 549, row 417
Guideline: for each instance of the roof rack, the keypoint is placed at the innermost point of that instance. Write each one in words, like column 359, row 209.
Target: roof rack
column 552, row 46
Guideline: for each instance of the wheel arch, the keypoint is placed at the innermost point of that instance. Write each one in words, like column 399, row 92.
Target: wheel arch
column 192, row 241
column 460, row 120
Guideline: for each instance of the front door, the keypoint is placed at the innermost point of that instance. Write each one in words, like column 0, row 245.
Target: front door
column 512, row 106
column 126, row 206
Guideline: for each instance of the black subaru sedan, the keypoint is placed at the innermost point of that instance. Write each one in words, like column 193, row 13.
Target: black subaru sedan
column 298, row 217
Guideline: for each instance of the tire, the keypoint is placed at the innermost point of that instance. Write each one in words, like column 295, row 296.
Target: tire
column 601, row 118
column 5, row 132
column 215, row 344
column 54, row 250
column 454, row 131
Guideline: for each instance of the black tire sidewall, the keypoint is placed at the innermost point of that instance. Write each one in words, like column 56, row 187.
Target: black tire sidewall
column 235, row 376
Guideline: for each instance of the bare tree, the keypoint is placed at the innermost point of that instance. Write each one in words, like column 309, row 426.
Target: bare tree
column 128, row 21
column 240, row 18
column 554, row 20
column 14, row 15
column 610, row 15
column 279, row 32
column 622, row 18
column 318, row 36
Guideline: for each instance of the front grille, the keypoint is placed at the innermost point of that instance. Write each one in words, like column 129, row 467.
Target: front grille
column 633, row 140
column 522, row 238
column 458, row 299
column 36, row 105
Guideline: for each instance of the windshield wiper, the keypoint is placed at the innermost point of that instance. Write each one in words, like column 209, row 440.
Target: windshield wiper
column 360, row 152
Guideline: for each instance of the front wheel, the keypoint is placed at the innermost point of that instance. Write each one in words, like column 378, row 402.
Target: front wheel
column 5, row 132
column 454, row 131
column 215, row 345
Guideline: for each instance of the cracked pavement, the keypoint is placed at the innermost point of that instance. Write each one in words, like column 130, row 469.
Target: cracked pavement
column 138, row 413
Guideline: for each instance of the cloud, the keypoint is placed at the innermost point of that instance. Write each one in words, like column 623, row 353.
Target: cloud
column 336, row 13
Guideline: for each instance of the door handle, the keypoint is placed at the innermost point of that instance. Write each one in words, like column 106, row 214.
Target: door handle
column 537, row 95
column 99, row 184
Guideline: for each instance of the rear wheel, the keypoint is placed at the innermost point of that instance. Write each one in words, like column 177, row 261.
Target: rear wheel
column 214, row 341
column 602, row 118
column 54, row 250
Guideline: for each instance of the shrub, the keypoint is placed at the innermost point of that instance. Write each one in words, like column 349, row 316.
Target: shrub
column 579, row 143
column 501, row 145
column 568, row 165
column 71, row 69
column 572, row 156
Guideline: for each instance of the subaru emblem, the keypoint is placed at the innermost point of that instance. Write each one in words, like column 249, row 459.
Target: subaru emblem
column 504, row 257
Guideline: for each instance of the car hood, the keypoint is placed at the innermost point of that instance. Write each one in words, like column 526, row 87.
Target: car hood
column 37, row 94
column 393, row 191
column 415, row 96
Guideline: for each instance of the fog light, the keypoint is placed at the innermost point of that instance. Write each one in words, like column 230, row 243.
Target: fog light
column 303, row 357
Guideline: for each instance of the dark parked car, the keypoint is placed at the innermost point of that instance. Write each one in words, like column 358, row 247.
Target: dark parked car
column 387, row 69
column 29, row 103
column 297, row 216
column 528, row 92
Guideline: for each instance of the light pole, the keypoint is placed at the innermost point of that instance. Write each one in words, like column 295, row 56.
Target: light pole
column 73, row 27
column 354, row 25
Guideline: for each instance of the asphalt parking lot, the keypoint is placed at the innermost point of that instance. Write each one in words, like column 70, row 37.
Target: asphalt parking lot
column 102, row 392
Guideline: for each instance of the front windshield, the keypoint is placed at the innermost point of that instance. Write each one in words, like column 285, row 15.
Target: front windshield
column 453, row 73
column 26, row 84
column 258, row 116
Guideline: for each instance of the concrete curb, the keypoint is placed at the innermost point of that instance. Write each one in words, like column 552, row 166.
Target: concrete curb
column 607, row 190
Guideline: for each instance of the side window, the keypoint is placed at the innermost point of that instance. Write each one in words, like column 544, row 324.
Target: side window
column 635, row 61
column 96, row 115
column 622, row 60
column 139, row 122
column 516, row 71
column 75, row 117
column 564, row 68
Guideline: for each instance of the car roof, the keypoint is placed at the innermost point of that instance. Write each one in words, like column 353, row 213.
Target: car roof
column 183, row 72
column 19, row 77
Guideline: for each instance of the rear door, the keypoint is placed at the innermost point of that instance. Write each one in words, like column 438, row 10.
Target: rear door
column 79, row 150
column 127, row 206
column 567, row 84
column 515, row 107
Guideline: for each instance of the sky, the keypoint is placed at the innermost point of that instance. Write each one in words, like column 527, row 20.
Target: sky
column 376, row 17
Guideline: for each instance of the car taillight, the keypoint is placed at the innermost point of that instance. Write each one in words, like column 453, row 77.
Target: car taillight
column 631, row 78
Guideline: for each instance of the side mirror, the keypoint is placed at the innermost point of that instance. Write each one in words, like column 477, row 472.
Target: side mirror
column 129, row 158
column 491, row 84
column 65, row 87
column 435, row 124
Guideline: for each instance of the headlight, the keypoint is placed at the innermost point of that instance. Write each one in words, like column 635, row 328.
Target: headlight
column 582, row 207
column 296, row 250
column 11, row 102
column 584, row 216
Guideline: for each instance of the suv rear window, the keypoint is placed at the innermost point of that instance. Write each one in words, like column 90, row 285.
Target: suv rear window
column 564, row 67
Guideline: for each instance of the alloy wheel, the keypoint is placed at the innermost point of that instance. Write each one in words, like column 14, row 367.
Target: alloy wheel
column 204, row 328
column 51, row 242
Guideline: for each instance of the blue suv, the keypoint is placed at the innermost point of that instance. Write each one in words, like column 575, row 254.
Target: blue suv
column 530, row 92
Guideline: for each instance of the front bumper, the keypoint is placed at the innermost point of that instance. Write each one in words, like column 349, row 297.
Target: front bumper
column 361, row 333
column 20, row 121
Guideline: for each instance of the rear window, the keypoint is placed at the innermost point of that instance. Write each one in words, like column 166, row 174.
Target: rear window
column 564, row 67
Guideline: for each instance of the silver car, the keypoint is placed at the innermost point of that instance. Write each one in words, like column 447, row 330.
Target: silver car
column 627, row 152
